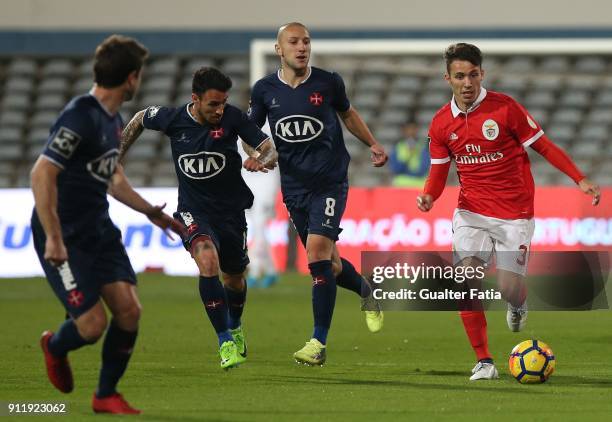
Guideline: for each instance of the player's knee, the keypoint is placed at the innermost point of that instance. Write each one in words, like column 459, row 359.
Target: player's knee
column 319, row 248
column 206, row 258
column 92, row 328
column 128, row 317
column 317, row 252
column 234, row 281
column 208, row 266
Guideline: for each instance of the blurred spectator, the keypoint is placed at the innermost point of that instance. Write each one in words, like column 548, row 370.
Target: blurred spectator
column 409, row 160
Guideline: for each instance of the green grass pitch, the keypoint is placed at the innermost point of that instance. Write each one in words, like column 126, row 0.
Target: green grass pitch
column 417, row 368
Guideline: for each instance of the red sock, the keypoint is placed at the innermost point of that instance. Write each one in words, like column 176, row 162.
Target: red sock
column 475, row 325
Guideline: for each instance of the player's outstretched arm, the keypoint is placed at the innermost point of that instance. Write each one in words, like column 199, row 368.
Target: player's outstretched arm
column 44, row 186
column 562, row 161
column 263, row 158
column 123, row 192
column 358, row 127
column 434, row 186
column 131, row 132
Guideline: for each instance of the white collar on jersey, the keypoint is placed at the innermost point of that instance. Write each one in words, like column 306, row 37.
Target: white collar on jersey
column 91, row 92
column 457, row 111
column 191, row 115
column 278, row 74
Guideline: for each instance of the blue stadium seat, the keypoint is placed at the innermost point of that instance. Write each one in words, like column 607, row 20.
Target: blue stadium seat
column 18, row 85
column 57, row 67
column 166, row 66
column 406, row 83
column 13, row 118
column 555, row 64
column 9, row 135
column 53, row 85
column 400, row 99
column 590, row 64
column 22, row 67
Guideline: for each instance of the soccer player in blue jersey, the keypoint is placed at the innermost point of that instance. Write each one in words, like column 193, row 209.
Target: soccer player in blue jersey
column 302, row 104
column 203, row 135
column 78, row 246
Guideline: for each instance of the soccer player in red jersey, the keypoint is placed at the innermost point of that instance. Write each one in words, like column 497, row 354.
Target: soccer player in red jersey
column 487, row 134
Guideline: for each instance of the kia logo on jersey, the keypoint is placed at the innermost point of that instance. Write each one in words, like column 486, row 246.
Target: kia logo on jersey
column 298, row 128
column 103, row 167
column 202, row 165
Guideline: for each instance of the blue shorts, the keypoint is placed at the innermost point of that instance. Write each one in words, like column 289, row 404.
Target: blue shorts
column 229, row 235
column 319, row 211
column 93, row 261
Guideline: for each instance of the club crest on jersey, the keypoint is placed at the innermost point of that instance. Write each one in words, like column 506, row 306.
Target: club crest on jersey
column 490, row 129
column 103, row 167
column 316, row 99
column 75, row 298
column 217, row 133
column 298, row 128
column 531, row 123
column 201, row 165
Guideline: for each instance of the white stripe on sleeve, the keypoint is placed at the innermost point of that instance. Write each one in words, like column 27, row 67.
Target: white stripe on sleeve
column 533, row 138
column 440, row 160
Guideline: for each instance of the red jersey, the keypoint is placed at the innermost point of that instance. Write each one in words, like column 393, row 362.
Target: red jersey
column 488, row 145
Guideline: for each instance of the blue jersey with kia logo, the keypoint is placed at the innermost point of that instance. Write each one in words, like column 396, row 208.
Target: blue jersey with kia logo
column 84, row 143
column 305, row 128
column 206, row 158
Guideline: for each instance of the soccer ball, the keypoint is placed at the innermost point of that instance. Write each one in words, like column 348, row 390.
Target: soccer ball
column 531, row 362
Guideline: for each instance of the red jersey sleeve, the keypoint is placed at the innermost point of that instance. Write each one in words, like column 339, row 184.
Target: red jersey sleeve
column 558, row 158
column 438, row 150
column 525, row 129
column 440, row 163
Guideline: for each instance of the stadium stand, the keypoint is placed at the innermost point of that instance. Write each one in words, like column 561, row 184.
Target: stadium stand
column 571, row 97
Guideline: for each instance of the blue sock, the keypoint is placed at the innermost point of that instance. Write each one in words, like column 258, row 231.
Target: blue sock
column 66, row 339
column 213, row 297
column 323, row 297
column 350, row 279
column 235, row 302
column 116, row 353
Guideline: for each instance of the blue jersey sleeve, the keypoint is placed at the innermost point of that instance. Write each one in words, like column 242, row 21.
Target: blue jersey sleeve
column 158, row 118
column 248, row 131
column 69, row 131
column 257, row 110
column 340, row 101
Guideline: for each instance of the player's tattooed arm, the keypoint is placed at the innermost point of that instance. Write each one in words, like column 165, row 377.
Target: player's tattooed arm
column 358, row 127
column 131, row 132
column 267, row 154
column 262, row 158
column 250, row 151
